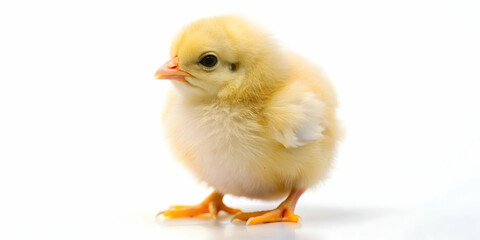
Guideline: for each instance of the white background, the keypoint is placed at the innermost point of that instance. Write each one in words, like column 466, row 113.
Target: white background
column 81, row 150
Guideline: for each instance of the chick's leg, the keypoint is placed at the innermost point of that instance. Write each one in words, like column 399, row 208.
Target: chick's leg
column 211, row 205
column 283, row 213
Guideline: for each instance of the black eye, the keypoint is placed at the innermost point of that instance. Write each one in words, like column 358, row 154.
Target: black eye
column 209, row 61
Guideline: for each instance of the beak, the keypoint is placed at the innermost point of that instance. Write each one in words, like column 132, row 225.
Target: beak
column 170, row 70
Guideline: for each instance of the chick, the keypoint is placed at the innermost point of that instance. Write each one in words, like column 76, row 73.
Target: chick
column 247, row 117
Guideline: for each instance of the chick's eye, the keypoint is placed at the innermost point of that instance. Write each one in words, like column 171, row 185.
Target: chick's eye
column 209, row 61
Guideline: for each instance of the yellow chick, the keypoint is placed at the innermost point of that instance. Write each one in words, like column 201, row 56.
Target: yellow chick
column 247, row 117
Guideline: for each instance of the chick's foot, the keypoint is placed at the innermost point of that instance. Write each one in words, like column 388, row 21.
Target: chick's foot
column 283, row 213
column 209, row 207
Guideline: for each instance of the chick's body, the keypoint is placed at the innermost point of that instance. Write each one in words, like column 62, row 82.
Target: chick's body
column 233, row 148
column 265, row 130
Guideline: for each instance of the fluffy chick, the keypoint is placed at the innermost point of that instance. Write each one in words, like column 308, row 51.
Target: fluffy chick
column 247, row 117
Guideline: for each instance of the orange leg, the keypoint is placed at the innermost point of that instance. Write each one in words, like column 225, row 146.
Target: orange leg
column 283, row 213
column 211, row 205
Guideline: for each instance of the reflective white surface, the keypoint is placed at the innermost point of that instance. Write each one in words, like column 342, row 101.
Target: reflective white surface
column 427, row 222
column 453, row 217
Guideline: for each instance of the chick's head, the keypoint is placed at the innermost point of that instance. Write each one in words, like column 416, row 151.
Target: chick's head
column 224, row 57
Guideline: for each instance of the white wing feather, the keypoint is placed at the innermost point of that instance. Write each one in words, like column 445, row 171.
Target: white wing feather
column 308, row 127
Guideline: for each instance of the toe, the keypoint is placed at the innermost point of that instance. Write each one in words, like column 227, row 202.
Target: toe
column 291, row 218
column 271, row 216
column 247, row 215
column 276, row 215
column 184, row 212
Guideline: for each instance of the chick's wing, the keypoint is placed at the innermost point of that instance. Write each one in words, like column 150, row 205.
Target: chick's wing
column 296, row 121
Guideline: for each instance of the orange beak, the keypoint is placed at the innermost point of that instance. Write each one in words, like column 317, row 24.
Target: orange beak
column 170, row 71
